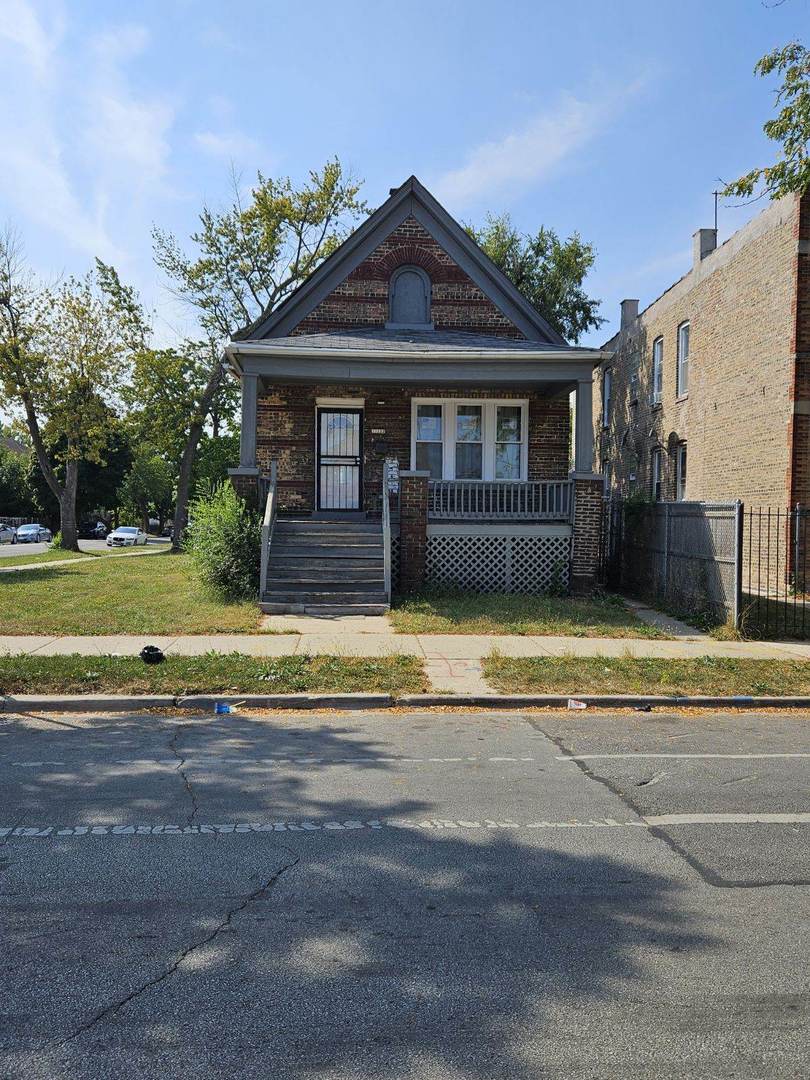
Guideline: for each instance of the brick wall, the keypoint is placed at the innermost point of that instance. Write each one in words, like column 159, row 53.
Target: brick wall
column 286, row 432
column 747, row 324
column 361, row 300
column 588, row 510
column 413, row 515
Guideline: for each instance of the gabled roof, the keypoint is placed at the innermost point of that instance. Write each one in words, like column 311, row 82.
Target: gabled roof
column 412, row 199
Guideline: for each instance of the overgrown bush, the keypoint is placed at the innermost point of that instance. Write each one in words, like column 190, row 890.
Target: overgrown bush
column 56, row 543
column 224, row 541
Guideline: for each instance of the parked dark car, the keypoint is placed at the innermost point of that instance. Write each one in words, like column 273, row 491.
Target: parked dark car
column 92, row 530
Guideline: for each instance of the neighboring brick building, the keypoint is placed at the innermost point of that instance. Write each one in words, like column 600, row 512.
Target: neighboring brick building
column 707, row 395
column 407, row 352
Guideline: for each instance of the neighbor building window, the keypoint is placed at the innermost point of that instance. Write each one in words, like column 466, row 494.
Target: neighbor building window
column 429, row 439
column 470, row 440
column 680, row 472
column 658, row 371
column 607, row 387
column 683, row 359
column 658, row 475
column 409, row 299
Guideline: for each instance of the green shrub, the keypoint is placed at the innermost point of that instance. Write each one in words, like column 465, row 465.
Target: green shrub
column 224, row 541
column 56, row 543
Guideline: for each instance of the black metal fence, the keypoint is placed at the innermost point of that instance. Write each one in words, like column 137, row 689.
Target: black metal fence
column 714, row 562
column 775, row 601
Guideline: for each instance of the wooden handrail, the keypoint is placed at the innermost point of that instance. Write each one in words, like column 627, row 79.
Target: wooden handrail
column 268, row 521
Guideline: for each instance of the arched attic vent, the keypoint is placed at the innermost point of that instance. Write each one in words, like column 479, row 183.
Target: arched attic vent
column 409, row 299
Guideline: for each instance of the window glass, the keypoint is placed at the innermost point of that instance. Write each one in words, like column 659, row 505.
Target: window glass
column 429, row 432
column 607, row 383
column 469, row 442
column 429, row 423
column 657, row 475
column 683, row 358
column 681, row 479
column 658, row 370
column 429, row 457
column 508, row 438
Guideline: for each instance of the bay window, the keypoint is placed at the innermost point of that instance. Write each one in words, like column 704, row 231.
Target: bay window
column 456, row 439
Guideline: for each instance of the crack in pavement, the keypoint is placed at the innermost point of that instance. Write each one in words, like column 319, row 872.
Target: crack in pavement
column 225, row 922
column 180, row 763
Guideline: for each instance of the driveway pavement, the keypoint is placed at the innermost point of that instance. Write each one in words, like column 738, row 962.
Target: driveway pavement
column 433, row 897
column 7, row 550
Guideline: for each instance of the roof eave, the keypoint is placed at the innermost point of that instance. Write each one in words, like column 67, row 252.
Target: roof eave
column 269, row 348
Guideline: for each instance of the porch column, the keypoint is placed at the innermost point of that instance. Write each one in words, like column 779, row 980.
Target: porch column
column 413, row 502
column 583, row 435
column 247, row 435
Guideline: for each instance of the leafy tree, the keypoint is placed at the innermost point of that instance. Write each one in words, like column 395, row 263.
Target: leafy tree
column 148, row 486
column 248, row 258
column 790, row 128
column 63, row 359
column 98, row 482
column 214, row 457
column 548, row 271
column 16, row 496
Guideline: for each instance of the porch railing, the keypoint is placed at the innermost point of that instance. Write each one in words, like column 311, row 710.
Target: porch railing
column 533, row 500
column 269, row 488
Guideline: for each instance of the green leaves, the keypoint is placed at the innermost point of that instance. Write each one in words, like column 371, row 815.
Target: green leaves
column 790, row 128
column 548, row 271
column 251, row 255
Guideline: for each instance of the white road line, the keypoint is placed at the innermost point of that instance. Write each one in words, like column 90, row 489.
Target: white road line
column 30, row 832
column 728, row 819
column 270, row 762
column 641, row 756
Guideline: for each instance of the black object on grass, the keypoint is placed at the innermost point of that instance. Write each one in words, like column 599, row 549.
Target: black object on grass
column 151, row 654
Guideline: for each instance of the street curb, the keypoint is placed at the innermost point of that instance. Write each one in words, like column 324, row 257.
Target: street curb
column 21, row 703
column 26, row 703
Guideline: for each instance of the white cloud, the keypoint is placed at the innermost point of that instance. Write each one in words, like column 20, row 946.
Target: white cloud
column 230, row 145
column 81, row 146
column 527, row 156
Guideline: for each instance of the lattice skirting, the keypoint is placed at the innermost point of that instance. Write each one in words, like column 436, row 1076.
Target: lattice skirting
column 498, row 562
column 394, row 562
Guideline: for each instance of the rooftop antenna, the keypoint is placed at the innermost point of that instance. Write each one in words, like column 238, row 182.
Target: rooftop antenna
column 717, row 195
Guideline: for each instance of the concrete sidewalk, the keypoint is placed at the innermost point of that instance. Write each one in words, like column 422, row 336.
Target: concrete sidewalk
column 342, row 641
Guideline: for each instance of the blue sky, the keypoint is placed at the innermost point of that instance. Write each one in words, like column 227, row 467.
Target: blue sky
column 613, row 119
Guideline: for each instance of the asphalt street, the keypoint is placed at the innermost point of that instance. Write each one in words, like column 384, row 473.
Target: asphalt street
column 7, row 550
column 462, row 896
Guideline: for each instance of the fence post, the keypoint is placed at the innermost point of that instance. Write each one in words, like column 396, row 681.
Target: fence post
column 665, row 575
column 736, row 612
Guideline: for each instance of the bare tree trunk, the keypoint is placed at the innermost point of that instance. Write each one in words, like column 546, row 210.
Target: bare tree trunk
column 67, row 507
column 189, row 452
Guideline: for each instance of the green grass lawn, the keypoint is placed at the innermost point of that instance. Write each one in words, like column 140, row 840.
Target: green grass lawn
column 155, row 594
column 597, row 675
column 211, row 673
column 44, row 557
column 501, row 613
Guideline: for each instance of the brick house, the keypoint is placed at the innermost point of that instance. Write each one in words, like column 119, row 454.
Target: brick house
column 405, row 418
column 706, row 393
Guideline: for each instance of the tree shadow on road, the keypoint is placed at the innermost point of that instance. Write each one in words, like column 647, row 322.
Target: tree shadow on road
column 359, row 953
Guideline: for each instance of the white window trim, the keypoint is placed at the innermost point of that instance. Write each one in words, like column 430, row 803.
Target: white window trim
column 488, row 417
column 681, row 361
column 658, row 366
column 658, row 474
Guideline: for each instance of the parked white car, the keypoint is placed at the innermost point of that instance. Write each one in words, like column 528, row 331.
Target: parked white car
column 126, row 536
column 8, row 534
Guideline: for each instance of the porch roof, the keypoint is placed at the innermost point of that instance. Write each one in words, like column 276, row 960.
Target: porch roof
column 412, row 356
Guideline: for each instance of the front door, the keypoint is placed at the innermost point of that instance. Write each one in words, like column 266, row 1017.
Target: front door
column 340, row 458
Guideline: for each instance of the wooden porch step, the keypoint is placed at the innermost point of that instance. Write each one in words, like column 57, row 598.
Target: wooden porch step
column 270, row 608
column 324, row 551
column 322, row 596
column 333, row 562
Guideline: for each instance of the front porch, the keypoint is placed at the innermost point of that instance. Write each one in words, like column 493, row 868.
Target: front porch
column 457, row 450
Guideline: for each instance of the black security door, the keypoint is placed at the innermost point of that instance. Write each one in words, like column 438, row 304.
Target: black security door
column 340, row 459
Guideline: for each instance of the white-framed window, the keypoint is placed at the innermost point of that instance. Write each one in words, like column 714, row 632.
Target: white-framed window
column 680, row 472
column 658, row 371
column 683, row 359
column 607, row 388
column 461, row 439
column 658, row 475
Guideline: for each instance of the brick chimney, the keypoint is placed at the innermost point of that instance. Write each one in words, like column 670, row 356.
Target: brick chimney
column 704, row 241
column 629, row 312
